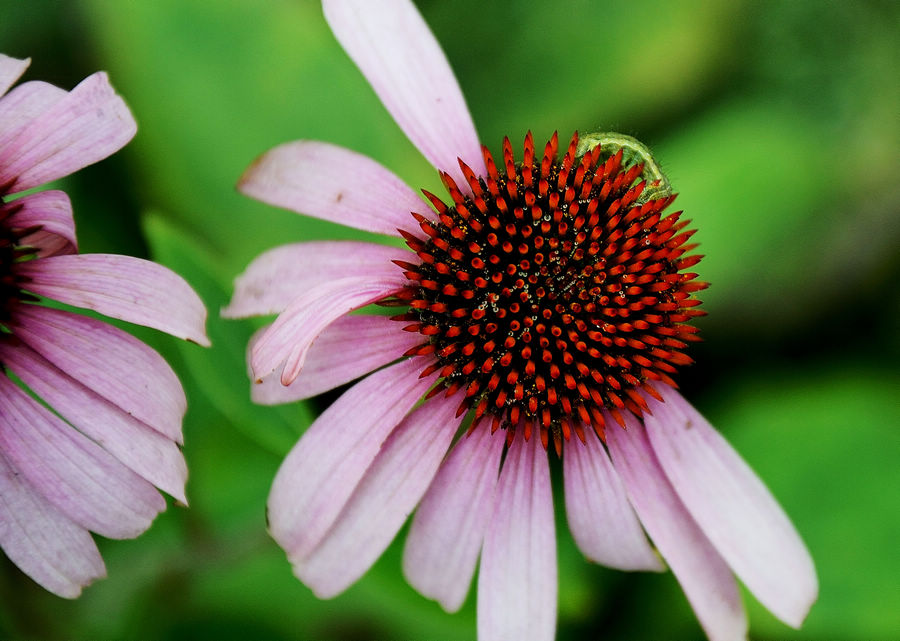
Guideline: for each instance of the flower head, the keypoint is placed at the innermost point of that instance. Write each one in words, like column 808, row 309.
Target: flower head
column 83, row 451
column 546, row 299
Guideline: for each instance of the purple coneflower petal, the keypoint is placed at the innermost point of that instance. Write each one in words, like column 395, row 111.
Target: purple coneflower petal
column 384, row 498
column 142, row 449
column 11, row 69
column 733, row 507
column 86, row 125
column 601, row 519
column 345, row 350
column 123, row 287
column 51, row 549
column 333, row 183
column 52, row 211
column 704, row 576
column 517, row 583
column 320, row 473
column 288, row 339
column 448, row 528
column 72, row 472
column 22, row 105
column 276, row 278
column 111, row 362
column 399, row 56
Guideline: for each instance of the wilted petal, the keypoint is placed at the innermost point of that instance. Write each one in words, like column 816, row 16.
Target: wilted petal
column 112, row 363
column 86, row 125
column 321, row 472
column 399, row 56
column 11, row 70
column 704, row 576
column 279, row 276
column 733, row 507
column 448, row 528
column 123, row 287
column 517, row 583
column 73, row 473
column 144, row 450
column 335, row 184
column 601, row 519
column 60, row 555
column 345, row 350
column 52, row 211
column 384, row 498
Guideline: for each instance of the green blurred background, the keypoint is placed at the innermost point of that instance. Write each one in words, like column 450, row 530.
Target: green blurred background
column 778, row 123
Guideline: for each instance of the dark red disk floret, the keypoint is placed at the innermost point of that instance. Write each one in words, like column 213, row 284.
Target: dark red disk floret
column 548, row 291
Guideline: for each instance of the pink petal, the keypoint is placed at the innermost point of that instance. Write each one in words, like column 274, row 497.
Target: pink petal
column 399, row 56
column 448, row 528
column 733, row 507
column 141, row 448
column 123, row 287
column 53, row 212
column 345, row 350
column 288, row 339
column 73, row 473
column 335, row 184
column 601, row 519
column 47, row 546
column 517, row 582
column 112, row 363
column 384, row 498
column 320, row 473
column 11, row 69
column 22, row 105
column 88, row 124
column 277, row 277
column 705, row 578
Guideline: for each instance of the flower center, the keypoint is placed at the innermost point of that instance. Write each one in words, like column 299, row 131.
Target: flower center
column 551, row 288
column 11, row 252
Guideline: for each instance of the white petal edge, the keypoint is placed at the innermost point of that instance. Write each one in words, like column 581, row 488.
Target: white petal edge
column 11, row 69
column 320, row 473
column 601, row 519
column 517, row 583
column 47, row 546
column 335, row 184
column 733, row 507
column 274, row 279
column 447, row 531
column 383, row 500
column 704, row 576
column 400, row 57
column 345, row 350
column 130, row 289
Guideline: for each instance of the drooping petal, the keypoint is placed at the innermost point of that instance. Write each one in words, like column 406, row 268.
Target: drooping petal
column 47, row 546
column 384, row 498
column 733, row 507
column 704, row 576
column 399, row 56
column 335, row 184
column 320, row 473
column 345, row 350
column 288, row 339
column 144, row 450
column 11, row 69
column 112, row 363
column 130, row 289
column 22, row 105
column 52, row 211
column 448, row 528
column 601, row 519
column 277, row 277
column 517, row 584
column 72, row 472
column 88, row 124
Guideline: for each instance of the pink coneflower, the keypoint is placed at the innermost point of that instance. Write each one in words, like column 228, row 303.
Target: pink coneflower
column 546, row 301
column 91, row 417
